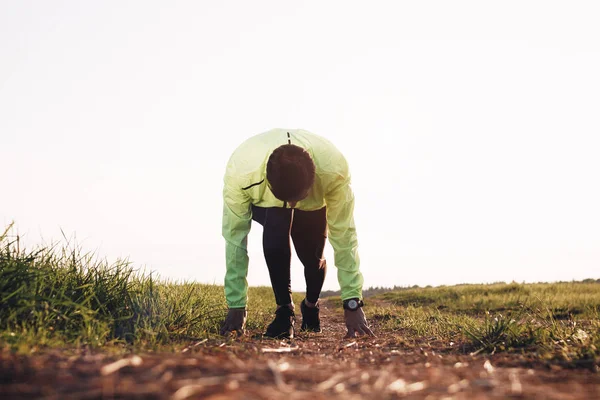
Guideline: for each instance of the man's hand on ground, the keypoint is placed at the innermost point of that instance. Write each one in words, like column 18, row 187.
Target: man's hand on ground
column 235, row 321
column 356, row 323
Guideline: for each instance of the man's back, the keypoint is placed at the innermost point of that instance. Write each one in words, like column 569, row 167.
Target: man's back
column 246, row 169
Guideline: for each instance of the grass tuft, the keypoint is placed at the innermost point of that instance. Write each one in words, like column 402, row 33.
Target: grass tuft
column 54, row 296
column 556, row 321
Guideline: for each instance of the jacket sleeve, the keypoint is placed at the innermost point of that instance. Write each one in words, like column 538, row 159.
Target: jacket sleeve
column 237, row 219
column 339, row 199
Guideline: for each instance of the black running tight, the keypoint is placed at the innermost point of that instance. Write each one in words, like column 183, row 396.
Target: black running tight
column 308, row 230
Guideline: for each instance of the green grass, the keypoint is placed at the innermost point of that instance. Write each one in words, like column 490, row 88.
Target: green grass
column 564, row 300
column 60, row 296
column 57, row 296
column 559, row 321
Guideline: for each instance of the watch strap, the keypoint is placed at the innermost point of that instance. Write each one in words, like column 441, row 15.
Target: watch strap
column 360, row 304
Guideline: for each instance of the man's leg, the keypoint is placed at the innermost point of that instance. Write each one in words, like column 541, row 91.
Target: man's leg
column 276, row 246
column 309, row 233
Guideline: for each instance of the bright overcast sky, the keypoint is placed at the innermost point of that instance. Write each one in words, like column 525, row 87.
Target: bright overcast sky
column 472, row 129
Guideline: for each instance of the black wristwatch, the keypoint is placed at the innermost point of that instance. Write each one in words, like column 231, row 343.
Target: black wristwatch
column 353, row 304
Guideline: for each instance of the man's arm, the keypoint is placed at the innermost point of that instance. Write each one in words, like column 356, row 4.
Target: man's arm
column 342, row 236
column 237, row 219
column 339, row 199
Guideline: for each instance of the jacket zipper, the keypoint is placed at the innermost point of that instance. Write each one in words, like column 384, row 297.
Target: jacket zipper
column 289, row 142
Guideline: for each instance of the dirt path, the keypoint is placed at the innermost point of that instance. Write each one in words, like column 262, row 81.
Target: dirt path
column 312, row 366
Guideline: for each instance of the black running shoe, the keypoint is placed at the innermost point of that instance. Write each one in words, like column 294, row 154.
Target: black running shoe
column 283, row 324
column 310, row 318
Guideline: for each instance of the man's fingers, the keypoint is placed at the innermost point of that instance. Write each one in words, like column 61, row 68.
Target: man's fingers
column 368, row 330
column 359, row 330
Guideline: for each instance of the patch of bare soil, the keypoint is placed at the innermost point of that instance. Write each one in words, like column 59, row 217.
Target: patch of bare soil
column 312, row 366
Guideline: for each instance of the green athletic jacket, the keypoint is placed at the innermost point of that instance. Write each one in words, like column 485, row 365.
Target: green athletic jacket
column 245, row 184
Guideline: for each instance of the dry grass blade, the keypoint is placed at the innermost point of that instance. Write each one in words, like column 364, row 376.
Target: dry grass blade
column 278, row 377
column 348, row 345
column 416, row 387
column 515, row 384
column 163, row 366
column 134, row 361
column 185, row 392
column 279, row 350
column 331, row 382
column 236, row 361
column 188, row 348
column 458, row 386
column 379, row 384
column 401, row 387
column 398, row 386
column 211, row 380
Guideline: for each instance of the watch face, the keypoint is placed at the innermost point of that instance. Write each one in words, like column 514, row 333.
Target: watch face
column 353, row 304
